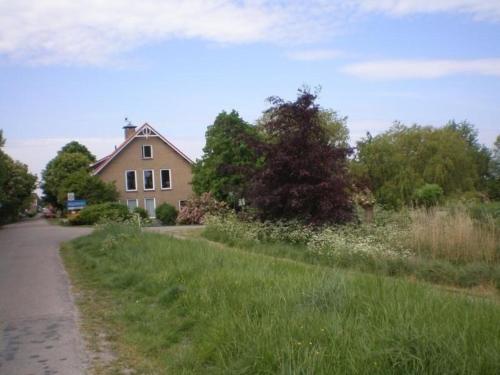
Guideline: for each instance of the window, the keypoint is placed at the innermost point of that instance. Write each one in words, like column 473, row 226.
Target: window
column 132, row 204
column 182, row 203
column 166, row 180
column 149, row 181
column 130, row 181
column 147, row 152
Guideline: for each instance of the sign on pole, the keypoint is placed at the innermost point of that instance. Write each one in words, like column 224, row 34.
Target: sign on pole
column 76, row 204
column 71, row 196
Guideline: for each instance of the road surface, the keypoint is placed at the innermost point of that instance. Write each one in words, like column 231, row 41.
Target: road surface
column 38, row 318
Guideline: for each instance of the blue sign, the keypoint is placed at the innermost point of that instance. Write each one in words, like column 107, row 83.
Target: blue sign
column 77, row 204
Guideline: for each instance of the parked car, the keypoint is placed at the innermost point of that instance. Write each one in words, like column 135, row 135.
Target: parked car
column 48, row 213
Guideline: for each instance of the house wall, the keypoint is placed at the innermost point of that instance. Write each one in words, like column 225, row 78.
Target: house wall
column 164, row 157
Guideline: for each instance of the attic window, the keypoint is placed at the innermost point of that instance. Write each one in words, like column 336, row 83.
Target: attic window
column 147, row 152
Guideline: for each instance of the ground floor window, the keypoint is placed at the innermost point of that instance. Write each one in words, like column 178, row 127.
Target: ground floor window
column 132, row 204
column 150, row 206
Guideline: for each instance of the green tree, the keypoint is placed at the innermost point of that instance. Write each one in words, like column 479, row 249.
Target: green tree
column 16, row 186
column 494, row 171
column 69, row 171
column 227, row 156
column 404, row 158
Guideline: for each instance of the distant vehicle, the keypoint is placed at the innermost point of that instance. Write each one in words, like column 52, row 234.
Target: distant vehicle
column 48, row 213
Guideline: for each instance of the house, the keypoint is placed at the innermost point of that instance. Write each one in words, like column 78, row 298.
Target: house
column 147, row 170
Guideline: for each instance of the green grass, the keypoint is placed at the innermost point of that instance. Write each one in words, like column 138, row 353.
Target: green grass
column 438, row 271
column 189, row 307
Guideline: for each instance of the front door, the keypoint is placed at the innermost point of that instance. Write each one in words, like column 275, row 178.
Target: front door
column 149, row 205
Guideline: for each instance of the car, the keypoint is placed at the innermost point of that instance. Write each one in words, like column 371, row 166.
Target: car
column 48, row 213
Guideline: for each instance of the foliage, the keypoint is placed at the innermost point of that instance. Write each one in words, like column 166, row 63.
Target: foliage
column 166, row 213
column 16, row 186
column 226, row 159
column 304, row 176
column 398, row 161
column 198, row 207
column 86, row 186
column 428, row 195
column 493, row 182
column 68, row 172
column 335, row 127
column 186, row 307
column 101, row 212
column 143, row 214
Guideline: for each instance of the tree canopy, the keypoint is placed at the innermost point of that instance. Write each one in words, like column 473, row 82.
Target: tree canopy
column 69, row 171
column 304, row 174
column 404, row 158
column 16, row 186
column 226, row 157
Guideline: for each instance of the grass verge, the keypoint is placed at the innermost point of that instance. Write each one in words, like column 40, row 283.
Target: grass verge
column 187, row 307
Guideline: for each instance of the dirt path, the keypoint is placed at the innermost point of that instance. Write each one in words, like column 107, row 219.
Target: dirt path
column 38, row 318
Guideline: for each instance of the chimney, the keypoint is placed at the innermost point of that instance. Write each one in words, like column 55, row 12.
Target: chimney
column 129, row 130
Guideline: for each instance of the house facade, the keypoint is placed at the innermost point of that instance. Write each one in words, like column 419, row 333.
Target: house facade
column 147, row 170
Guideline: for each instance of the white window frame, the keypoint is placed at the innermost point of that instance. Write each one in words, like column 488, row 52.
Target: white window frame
column 142, row 152
column 136, row 203
column 179, row 204
column 170, row 178
column 144, row 179
column 126, row 181
column 154, row 205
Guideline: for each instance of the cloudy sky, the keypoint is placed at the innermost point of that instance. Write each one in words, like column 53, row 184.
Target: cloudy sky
column 73, row 70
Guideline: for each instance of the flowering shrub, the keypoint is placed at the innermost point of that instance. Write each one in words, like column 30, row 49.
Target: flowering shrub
column 196, row 208
column 329, row 241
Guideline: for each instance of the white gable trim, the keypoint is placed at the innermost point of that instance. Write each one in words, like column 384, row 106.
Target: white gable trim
column 141, row 132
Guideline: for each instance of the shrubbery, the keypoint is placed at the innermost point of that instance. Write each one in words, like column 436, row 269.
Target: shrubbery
column 166, row 213
column 105, row 211
column 429, row 195
column 196, row 208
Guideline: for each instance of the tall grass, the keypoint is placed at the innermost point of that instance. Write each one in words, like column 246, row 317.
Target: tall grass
column 453, row 235
column 188, row 307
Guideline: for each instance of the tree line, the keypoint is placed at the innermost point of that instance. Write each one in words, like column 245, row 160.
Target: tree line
column 16, row 186
column 296, row 163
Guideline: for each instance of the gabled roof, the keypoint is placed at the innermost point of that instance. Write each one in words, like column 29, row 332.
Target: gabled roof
column 145, row 130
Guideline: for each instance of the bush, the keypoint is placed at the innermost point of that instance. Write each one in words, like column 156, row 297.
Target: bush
column 197, row 208
column 166, row 213
column 428, row 195
column 98, row 212
column 142, row 212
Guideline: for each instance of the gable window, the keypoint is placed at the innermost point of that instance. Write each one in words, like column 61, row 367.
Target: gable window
column 166, row 179
column 130, row 181
column 147, row 152
column 148, row 179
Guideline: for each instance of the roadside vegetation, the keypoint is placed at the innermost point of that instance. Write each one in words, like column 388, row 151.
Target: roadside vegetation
column 17, row 187
column 186, row 306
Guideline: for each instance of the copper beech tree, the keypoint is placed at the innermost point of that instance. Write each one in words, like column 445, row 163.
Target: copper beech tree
column 304, row 175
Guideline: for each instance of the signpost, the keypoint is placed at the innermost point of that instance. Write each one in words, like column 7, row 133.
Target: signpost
column 76, row 204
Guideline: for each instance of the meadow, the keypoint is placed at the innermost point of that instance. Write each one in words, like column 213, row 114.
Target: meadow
column 194, row 307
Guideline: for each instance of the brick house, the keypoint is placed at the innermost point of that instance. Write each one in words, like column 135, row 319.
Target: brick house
column 147, row 170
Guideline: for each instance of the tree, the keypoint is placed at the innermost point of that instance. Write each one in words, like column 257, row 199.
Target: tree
column 57, row 170
column 16, row 186
column 402, row 159
column 304, row 175
column 494, row 171
column 69, row 171
column 227, row 156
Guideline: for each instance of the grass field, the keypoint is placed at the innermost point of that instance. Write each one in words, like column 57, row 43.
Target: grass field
column 188, row 307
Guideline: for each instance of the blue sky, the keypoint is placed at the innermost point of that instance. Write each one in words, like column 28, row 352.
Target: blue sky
column 74, row 69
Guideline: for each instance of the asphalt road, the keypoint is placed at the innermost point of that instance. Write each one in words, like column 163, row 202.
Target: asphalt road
column 38, row 318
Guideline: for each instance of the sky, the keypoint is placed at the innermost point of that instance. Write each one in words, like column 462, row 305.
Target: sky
column 73, row 70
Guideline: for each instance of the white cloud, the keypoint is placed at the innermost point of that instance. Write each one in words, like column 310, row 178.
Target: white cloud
column 422, row 69
column 96, row 31
column 480, row 9
column 315, row 54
